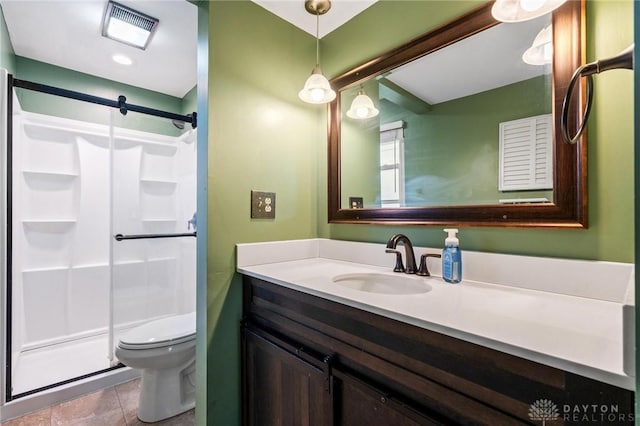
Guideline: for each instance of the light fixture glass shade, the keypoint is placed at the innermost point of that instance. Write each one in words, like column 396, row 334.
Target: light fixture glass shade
column 523, row 10
column 362, row 107
column 541, row 50
column 316, row 89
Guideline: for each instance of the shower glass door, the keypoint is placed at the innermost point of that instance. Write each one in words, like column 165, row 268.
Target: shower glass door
column 153, row 200
column 80, row 173
column 60, row 276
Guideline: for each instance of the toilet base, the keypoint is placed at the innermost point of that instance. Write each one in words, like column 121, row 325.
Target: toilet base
column 166, row 393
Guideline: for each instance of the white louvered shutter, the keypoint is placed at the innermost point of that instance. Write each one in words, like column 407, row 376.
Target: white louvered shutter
column 526, row 154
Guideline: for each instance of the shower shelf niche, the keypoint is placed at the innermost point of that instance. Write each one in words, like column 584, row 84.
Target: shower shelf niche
column 48, row 174
column 56, row 226
column 159, row 181
column 49, row 195
column 158, row 186
column 51, row 133
column 78, row 267
column 90, row 265
column 49, row 269
column 150, row 147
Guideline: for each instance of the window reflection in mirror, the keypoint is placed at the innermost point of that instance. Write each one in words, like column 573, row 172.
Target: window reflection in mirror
column 436, row 140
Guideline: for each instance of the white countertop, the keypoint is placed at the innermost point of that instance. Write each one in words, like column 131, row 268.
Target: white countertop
column 584, row 335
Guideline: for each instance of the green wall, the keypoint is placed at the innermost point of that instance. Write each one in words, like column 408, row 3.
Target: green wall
column 189, row 102
column 610, row 132
column 40, row 72
column 360, row 148
column 7, row 57
column 636, row 80
column 452, row 151
column 262, row 137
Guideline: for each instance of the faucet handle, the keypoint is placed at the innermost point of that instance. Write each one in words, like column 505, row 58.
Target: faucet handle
column 399, row 265
column 423, row 271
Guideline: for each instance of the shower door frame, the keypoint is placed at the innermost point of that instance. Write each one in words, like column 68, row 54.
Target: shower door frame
column 123, row 107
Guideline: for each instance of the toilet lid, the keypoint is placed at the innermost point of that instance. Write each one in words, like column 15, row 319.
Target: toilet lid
column 161, row 332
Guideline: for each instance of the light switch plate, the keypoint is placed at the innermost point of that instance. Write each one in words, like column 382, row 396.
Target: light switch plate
column 263, row 205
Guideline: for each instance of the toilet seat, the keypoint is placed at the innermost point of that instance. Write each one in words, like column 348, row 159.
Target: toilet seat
column 160, row 333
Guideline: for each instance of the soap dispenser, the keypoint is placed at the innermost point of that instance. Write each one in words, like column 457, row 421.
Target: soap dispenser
column 451, row 258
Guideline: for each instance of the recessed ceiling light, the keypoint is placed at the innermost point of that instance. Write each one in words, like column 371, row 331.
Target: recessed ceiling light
column 122, row 60
column 128, row 26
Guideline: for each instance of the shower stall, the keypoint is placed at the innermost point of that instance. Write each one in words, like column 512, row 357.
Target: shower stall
column 100, row 213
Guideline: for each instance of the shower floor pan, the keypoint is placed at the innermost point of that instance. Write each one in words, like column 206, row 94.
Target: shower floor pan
column 42, row 367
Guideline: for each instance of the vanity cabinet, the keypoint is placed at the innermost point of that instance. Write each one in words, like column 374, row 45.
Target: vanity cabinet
column 311, row 361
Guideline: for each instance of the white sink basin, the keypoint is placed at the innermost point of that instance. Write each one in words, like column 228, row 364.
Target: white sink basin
column 382, row 283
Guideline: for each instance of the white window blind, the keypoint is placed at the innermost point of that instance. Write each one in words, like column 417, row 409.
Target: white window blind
column 526, row 154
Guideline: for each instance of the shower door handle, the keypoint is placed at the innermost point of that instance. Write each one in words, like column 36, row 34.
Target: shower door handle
column 121, row 237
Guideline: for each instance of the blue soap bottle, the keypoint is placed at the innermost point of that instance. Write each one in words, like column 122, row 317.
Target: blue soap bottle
column 451, row 258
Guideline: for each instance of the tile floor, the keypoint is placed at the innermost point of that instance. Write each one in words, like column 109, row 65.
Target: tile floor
column 114, row 406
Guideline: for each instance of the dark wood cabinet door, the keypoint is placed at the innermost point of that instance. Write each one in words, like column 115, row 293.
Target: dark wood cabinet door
column 359, row 403
column 281, row 389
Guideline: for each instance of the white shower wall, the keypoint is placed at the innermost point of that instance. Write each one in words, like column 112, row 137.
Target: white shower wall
column 162, row 201
column 66, row 279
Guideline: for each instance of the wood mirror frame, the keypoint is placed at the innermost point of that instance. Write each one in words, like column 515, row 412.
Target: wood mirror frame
column 569, row 207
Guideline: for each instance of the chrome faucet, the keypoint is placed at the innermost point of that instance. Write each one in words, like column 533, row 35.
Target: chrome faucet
column 408, row 250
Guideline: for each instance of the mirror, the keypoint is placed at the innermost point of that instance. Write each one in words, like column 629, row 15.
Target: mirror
column 467, row 132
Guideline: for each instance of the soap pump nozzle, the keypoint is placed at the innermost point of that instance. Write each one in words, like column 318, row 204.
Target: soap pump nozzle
column 451, row 240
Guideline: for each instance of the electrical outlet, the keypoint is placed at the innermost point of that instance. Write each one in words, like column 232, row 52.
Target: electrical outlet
column 263, row 205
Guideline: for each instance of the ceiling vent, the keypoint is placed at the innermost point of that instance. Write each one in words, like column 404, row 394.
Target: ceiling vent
column 128, row 26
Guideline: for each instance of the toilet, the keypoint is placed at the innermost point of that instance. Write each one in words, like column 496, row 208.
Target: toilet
column 165, row 351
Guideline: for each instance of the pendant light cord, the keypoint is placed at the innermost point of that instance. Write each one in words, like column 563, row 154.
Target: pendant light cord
column 317, row 39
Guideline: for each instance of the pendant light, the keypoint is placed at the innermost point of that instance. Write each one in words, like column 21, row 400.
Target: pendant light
column 362, row 107
column 523, row 10
column 541, row 50
column 316, row 89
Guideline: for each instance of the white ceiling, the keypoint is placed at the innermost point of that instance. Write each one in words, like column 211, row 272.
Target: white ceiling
column 488, row 60
column 293, row 11
column 67, row 33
